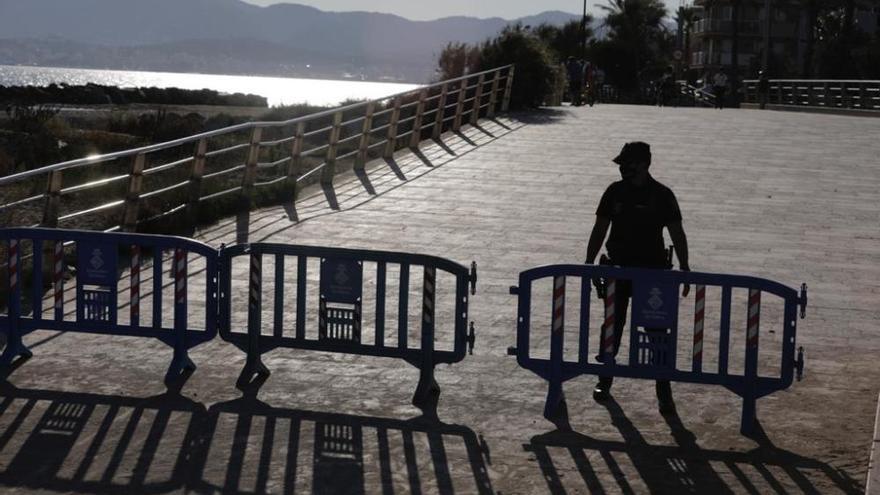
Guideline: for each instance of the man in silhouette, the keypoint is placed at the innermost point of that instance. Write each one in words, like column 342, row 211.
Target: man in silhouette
column 637, row 208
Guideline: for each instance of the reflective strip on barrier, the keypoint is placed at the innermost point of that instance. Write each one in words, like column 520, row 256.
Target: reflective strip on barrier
column 58, row 279
column 754, row 316
column 180, row 275
column 699, row 317
column 608, row 325
column 135, row 284
column 13, row 264
column 558, row 303
column 256, row 284
column 428, row 296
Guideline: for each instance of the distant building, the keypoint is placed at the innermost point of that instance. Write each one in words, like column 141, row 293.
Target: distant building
column 712, row 35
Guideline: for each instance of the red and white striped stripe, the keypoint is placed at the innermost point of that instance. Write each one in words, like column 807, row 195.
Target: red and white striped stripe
column 428, row 295
column 558, row 303
column 180, row 275
column 13, row 265
column 135, row 282
column 608, row 325
column 256, row 282
column 58, row 276
column 754, row 317
column 699, row 317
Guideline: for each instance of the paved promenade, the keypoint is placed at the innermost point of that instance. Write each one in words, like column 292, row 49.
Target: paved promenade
column 788, row 196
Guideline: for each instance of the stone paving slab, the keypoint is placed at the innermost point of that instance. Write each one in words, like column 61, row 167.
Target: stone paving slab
column 790, row 197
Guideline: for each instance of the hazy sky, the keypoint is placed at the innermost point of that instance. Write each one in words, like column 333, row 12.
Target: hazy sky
column 433, row 9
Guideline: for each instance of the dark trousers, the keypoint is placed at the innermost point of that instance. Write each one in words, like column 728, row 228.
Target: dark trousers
column 622, row 296
column 719, row 96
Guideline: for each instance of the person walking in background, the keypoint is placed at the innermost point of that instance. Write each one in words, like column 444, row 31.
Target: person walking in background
column 575, row 70
column 763, row 88
column 637, row 208
column 719, row 88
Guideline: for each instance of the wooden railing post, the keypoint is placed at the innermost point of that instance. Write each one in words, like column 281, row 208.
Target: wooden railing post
column 53, row 200
column 364, row 145
column 459, row 107
column 195, row 180
column 493, row 98
column 811, row 94
column 133, row 198
column 294, row 167
column 250, row 168
column 440, row 115
column 478, row 99
column 829, row 98
column 391, row 145
column 505, row 103
column 416, row 135
column 330, row 162
column 865, row 102
column 779, row 93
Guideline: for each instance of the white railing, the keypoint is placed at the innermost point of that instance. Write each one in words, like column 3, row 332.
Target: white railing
column 841, row 94
column 127, row 189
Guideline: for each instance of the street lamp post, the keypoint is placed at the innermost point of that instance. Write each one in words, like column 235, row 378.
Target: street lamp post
column 584, row 31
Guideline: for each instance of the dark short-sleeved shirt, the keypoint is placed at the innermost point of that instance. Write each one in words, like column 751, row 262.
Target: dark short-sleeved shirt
column 638, row 215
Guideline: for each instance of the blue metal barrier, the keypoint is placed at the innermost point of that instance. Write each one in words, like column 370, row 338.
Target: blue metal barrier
column 339, row 305
column 98, row 262
column 652, row 354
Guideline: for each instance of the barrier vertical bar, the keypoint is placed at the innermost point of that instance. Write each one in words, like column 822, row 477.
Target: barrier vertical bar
column 301, row 273
column 554, row 393
column 459, row 107
column 699, row 317
column 58, row 280
column 132, row 199
column 195, row 180
column 14, row 345
column 380, row 304
column 157, row 288
column 724, row 338
column 135, row 286
column 584, row 331
column 750, row 392
column 478, row 99
column 505, row 103
column 493, row 98
column 364, row 144
column 608, row 323
column 330, row 160
column 254, row 364
column 416, row 136
column 427, row 386
column 440, row 115
column 391, row 145
column 402, row 308
column 278, row 307
column 37, row 285
column 181, row 362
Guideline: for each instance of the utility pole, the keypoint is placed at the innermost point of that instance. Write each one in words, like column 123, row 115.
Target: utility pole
column 767, row 19
column 584, row 32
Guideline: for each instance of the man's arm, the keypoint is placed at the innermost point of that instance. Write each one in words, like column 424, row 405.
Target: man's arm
column 597, row 236
column 679, row 240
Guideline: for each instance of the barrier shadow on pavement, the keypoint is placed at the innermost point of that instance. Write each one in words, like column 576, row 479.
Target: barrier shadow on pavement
column 93, row 443
column 681, row 468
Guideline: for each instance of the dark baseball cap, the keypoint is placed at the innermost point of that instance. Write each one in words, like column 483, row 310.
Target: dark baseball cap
column 636, row 151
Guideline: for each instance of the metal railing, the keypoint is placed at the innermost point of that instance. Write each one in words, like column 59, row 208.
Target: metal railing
column 841, row 94
column 124, row 190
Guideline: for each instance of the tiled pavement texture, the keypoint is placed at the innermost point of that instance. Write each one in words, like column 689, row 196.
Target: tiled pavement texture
column 787, row 196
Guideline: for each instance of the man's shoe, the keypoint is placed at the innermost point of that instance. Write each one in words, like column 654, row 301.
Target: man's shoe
column 602, row 391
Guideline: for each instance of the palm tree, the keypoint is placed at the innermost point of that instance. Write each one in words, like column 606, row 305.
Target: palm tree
column 685, row 17
column 636, row 26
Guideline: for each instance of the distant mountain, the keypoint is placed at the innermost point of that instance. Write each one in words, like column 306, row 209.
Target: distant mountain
column 230, row 35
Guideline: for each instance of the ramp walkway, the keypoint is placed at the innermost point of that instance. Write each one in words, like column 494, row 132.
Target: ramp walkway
column 787, row 196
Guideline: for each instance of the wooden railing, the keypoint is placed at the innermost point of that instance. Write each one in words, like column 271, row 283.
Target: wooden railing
column 841, row 94
column 230, row 168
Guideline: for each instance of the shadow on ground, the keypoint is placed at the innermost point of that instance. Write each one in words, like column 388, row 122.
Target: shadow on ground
column 90, row 443
column 685, row 468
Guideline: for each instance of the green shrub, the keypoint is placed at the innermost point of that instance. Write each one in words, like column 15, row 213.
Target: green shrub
column 535, row 68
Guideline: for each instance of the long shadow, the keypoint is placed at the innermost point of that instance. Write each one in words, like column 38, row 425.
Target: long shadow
column 91, row 443
column 684, row 468
column 395, row 167
column 330, row 194
column 541, row 116
column 365, row 181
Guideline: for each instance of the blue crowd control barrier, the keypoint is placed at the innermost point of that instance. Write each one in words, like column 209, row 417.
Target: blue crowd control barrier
column 40, row 279
column 655, row 337
column 340, row 306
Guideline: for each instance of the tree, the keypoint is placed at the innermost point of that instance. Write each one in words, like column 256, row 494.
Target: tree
column 636, row 32
column 535, row 67
column 456, row 59
column 569, row 40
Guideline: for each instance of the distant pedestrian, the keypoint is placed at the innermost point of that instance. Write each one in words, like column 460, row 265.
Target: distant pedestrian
column 719, row 88
column 575, row 71
column 763, row 88
column 637, row 209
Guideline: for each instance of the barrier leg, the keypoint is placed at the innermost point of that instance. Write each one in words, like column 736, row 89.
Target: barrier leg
column 555, row 407
column 14, row 348
column 254, row 365
column 181, row 364
column 427, row 391
column 14, row 345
